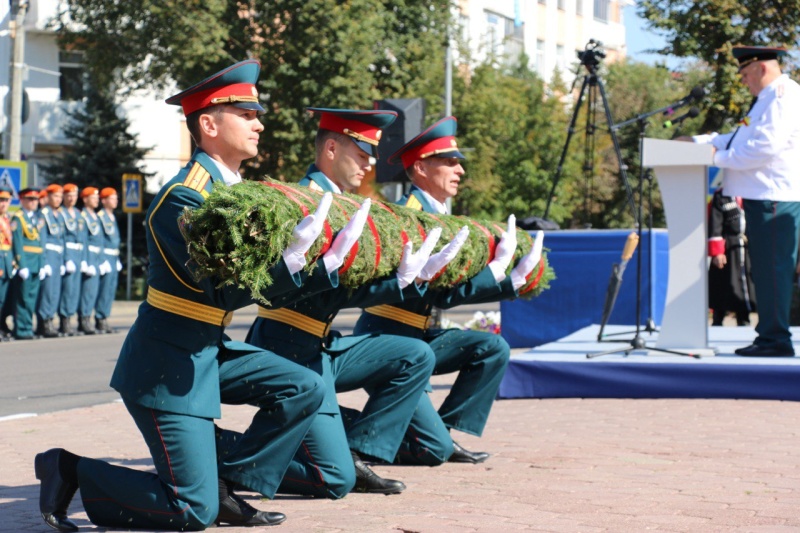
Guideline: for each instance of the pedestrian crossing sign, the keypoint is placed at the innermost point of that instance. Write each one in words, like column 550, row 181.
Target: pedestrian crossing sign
column 13, row 177
column 132, row 193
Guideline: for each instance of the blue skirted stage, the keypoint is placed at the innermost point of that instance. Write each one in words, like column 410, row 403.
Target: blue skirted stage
column 561, row 369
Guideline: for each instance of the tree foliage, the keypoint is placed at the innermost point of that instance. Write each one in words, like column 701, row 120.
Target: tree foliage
column 708, row 30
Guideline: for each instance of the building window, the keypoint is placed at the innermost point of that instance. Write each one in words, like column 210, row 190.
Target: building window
column 540, row 57
column 601, row 10
column 505, row 37
column 543, row 2
column 72, row 81
column 579, row 8
column 561, row 4
column 561, row 58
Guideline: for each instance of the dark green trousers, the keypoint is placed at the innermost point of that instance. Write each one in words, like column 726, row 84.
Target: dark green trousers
column 773, row 229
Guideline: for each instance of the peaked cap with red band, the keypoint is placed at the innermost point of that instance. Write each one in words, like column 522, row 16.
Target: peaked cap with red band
column 750, row 54
column 364, row 127
column 235, row 85
column 30, row 192
column 5, row 193
column 439, row 140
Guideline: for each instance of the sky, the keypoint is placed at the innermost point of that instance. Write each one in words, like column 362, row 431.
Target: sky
column 639, row 39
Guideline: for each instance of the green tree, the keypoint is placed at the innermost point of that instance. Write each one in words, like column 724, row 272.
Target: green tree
column 101, row 148
column 708, row 30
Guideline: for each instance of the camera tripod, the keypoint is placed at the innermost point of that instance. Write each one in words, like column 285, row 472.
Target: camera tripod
column 592, row 84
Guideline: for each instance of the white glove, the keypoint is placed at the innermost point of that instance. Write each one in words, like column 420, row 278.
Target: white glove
column 346, row 238
column 441, row 259
column 412, row 263
column 13, row 272
column 105, row 267
column 70, row 266
column 119, row 265
column 504, row 252
column 91, row 271
column 304, row 235
column 48, row 269
column 42, row 273
column 23, row 273
column 62, row 270
column 84, row 267
column 526, row 265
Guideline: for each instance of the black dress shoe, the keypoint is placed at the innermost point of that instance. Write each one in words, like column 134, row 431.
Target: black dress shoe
column 55, row 493
column 462, row 455
column 369, row 481
column 774, row 350
column 234, row 511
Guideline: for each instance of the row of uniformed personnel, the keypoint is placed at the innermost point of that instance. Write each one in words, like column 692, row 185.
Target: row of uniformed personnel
column 58, row 260
column 177, row 365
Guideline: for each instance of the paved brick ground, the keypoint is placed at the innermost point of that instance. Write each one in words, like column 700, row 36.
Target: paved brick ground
column 558, row 465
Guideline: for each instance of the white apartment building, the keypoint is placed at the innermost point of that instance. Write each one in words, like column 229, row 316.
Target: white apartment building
column 549, row 31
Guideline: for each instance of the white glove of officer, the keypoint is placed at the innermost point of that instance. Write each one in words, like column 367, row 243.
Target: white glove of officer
column 346, row 238
column 48, row 269
column 62, row 270
column 526, row 265
column 91, row 271
column 304, row 235
column 105, row 267
column 119, row 265
column 84, row 267
column 42, row 273
column 441, row 259
column 504, row 252
column 412, row 263
column 70, row 266
column 23, row 273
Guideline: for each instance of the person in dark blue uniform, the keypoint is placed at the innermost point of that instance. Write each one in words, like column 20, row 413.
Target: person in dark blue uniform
column 110, row 265
column 393, row 370
column 52, row 235
column 90, row 274
column 74, row 256
column 177, row 365
column 26, row 225
column 433, row 163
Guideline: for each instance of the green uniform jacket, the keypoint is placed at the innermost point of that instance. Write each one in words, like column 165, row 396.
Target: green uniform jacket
column 26, row 242
column 169, row 360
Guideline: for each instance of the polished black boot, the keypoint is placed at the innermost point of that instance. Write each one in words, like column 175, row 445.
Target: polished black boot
column 369, row 481
column 462, row 455
column 56, row 492
column 234, row 511
column 85, row 325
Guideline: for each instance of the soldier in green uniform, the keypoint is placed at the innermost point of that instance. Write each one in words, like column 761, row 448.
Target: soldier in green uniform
column 26, row 246
column 6, row 257
column 433, row 163
column 110, row 266
column 74, row 257
column 52, row 235
column 393, row 370
column 90, row 273
column 177, row 365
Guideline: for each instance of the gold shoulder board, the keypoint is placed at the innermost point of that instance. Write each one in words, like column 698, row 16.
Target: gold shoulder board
column 197, row 178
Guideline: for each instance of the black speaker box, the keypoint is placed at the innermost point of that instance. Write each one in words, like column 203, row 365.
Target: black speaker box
column 409, row 123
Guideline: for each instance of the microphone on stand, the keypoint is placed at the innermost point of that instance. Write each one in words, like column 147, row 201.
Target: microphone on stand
column 695, row 94
column 693, row 112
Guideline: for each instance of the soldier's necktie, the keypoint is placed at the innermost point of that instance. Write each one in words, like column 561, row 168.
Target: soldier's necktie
column 728, row 146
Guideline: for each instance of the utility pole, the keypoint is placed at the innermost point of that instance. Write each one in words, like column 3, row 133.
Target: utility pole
column 17, row 72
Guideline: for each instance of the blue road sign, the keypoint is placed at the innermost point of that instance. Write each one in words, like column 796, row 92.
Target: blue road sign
column 132, row 193
column 13, row 176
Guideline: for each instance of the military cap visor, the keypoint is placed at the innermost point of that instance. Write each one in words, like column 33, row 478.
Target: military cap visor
column 29, row 192
column 439, row 140
column 235, row 85
column 364, row 127
column 750, row 54
column 5, row 193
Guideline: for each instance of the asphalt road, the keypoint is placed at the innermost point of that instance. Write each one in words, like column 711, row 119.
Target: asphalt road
column 47, row 375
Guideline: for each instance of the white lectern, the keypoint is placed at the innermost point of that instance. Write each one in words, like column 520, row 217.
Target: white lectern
column 682, row 172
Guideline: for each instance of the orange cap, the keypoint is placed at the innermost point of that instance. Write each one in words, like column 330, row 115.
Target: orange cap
column 89, row 191
column 108, row 191
column 54, row 188
column 5, row 194
column 70, row 187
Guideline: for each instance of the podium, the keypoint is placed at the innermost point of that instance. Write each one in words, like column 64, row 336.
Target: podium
column 681, row 169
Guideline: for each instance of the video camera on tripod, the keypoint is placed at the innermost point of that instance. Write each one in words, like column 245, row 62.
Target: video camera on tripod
column 591, row 54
